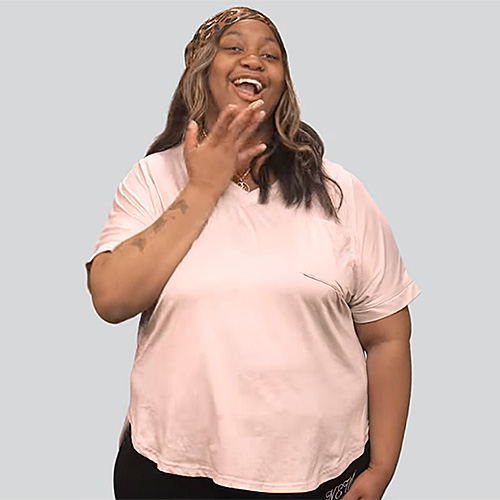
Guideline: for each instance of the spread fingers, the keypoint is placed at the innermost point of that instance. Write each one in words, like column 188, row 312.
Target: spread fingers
column 220, row 128
column 245, row 118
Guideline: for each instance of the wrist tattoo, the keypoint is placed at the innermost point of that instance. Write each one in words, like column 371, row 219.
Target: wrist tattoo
column 161, row 221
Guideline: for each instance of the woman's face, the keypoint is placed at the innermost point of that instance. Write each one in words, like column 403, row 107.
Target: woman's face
column 248, row 66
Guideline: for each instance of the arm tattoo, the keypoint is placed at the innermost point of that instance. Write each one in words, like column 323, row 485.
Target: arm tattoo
column 139, row 243
column 180, row 204
column 158, row 224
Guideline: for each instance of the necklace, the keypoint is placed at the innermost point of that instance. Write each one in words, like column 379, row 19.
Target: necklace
column 240, row 180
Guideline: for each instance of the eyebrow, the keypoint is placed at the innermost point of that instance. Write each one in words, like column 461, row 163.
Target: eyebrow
column 237, row 33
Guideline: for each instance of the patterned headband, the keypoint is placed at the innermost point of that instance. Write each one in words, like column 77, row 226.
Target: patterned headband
column 219, row 22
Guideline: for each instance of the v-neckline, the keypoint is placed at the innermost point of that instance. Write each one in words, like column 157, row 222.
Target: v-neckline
column 249, row 197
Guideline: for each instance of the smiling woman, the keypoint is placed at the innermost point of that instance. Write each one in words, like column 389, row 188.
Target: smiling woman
column 205, row 89
column 263, row 273
column 248, row 66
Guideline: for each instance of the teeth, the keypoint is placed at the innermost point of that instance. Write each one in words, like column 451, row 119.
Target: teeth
column 257, row 84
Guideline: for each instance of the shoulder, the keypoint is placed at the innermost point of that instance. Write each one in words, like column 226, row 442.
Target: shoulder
column 347, row 182
column 354, row 191
column 337, row 172
column 358, row 207
column 170, row 161
column 165, row 169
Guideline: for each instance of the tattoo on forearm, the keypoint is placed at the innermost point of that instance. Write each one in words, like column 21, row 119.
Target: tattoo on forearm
column 179, row 205
column 159, row 224
column 138, row 243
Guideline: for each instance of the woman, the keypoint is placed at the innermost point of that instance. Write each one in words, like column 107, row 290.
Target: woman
column 263, row 274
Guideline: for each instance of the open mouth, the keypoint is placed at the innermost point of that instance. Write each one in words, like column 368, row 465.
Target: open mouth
column 248, row 86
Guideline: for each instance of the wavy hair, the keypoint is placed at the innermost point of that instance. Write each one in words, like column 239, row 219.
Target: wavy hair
column 294, row 155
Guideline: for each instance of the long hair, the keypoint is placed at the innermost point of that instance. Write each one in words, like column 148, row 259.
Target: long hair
column 295, row 152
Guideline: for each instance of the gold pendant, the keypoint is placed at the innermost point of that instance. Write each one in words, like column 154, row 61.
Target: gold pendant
column 244, row 186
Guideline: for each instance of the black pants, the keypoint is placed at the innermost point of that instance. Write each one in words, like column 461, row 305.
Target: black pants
column 138, row 478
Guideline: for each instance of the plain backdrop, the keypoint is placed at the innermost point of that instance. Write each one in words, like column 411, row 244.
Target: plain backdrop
column 405, row 95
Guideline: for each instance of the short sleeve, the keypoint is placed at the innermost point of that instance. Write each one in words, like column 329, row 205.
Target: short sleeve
column 136, row 206
column 382, row 285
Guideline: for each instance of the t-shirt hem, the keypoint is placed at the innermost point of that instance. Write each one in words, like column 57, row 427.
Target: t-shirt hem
column 105, row 247
column 227, row 481
column 389, row 306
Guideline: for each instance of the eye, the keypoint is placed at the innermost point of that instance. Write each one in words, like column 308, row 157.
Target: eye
column 232, row 49
column 270, row 56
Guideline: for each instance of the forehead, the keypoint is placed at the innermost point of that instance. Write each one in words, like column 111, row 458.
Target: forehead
column 250, row 28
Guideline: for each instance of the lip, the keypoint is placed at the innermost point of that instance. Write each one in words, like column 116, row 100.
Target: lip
column 245, row 95
column 250, row 76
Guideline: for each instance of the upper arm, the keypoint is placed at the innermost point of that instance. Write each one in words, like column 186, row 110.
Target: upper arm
column 93, row 266
column 136, row 205
column 381, row 285
column 397, row 326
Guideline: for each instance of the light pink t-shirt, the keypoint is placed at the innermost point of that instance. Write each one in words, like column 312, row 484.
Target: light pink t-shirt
column 249, row 370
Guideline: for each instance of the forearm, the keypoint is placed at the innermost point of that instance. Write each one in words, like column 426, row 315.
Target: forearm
column 130, row 279
column 389, row 387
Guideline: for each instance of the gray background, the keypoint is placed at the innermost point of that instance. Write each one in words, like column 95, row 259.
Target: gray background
column 405, row 95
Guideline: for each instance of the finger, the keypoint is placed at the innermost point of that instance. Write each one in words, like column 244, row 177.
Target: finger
column 244, row 118
column 249, row 131
column 225, row 118
column 249, row 154
column 191, row 141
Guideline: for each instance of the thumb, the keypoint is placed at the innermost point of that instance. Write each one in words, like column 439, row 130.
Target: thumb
column 191, row 136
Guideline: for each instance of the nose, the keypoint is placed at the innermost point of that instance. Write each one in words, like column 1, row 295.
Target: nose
column 252, row 61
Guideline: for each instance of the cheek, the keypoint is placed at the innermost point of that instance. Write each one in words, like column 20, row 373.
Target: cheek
column 278, row 91
column 279, row 79
column 217, row 84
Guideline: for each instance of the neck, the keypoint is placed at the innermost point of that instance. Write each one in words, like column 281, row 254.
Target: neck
column 264, row 132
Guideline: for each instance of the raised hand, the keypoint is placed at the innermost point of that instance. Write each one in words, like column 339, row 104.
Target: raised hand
column 229, row 147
